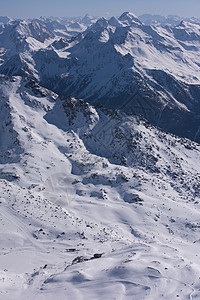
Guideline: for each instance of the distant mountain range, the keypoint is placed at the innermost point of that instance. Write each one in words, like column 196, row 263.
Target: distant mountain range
column 171, row 20
column 120, row 63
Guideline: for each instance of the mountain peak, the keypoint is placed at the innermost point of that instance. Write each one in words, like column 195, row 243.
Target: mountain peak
column 182, row 24
column 5, row 20
column 130, row 18
column 114, row 22
column 102, row 22
column 87, row 20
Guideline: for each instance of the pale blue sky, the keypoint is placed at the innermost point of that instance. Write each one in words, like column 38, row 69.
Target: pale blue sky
column 37, row 8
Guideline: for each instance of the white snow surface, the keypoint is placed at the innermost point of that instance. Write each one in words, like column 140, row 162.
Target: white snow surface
column 94, row 203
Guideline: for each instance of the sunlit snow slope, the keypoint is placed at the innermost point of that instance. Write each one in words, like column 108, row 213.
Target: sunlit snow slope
column 94, row 203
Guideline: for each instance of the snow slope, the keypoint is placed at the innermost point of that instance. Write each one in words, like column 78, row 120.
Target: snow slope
column 94, row 203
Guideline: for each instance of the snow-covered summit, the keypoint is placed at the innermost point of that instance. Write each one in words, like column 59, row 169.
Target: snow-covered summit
column 35, row 29
column 129, row 18
column 5, row 20
column 23, row 35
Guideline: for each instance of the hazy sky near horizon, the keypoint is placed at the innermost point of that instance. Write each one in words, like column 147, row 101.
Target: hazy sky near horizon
column 37, row 8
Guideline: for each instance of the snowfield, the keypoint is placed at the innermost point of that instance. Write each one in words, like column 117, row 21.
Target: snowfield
column 94, row 203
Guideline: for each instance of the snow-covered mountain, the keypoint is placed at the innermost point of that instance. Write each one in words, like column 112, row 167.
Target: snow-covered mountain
column 22, row 36
column 120, row 63
column 87, row 20
column 172, row 20
column 5, row 20
column 94, row 202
